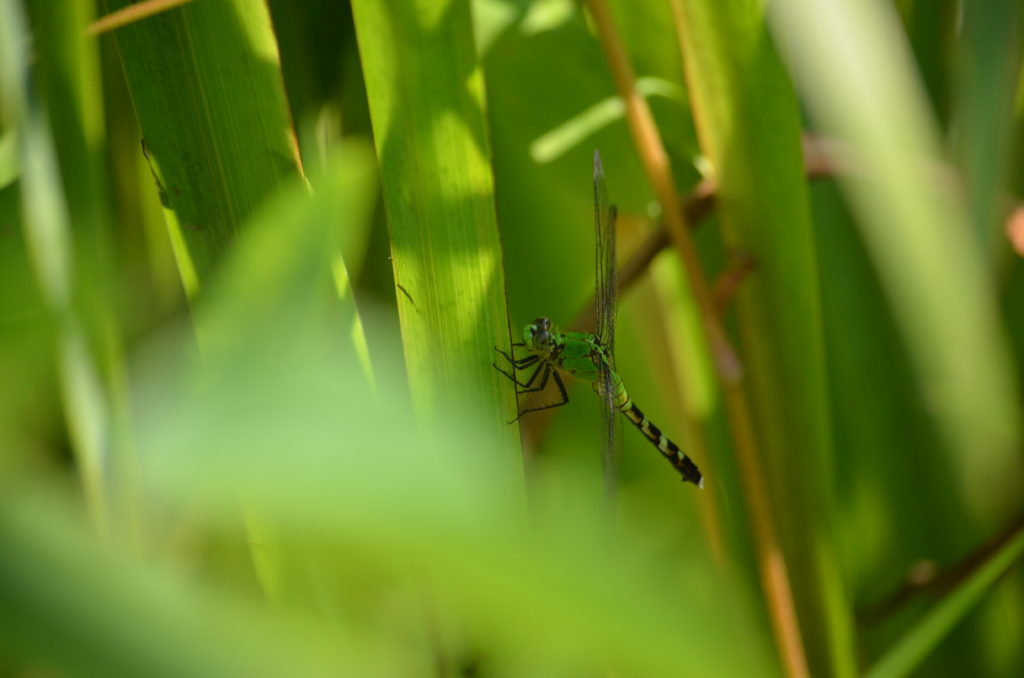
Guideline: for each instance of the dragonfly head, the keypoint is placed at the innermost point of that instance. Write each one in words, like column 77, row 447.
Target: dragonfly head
column 539, row 336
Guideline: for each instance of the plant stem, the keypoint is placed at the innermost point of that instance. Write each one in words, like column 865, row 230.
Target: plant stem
column 772, row 564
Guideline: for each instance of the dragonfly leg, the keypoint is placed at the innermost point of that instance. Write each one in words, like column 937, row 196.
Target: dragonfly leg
column 548, row 371
column 520, row 364
column 506, row 356
column 528, row 387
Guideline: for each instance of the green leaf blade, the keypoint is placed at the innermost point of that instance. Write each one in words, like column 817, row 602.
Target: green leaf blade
column 207, row 89
column 425, row 90
column 733, row 68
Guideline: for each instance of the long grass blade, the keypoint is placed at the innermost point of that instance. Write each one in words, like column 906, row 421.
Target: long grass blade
column 426, row 99
column 217, row 145
column 731, row 64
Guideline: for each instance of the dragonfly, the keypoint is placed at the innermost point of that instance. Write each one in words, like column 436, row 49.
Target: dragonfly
column 590, row 357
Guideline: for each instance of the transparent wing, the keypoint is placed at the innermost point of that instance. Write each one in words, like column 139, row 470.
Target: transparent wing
column 604, row 237
column 605, row 297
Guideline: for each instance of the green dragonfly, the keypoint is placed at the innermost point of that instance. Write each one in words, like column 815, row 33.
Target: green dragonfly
column 591, row 357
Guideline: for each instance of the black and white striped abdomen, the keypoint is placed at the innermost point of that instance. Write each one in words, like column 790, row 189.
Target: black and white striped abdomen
column 682, row 463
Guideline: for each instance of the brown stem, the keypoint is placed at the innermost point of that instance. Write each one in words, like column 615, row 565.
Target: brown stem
column 927, row 579
column 129, row 15
column 741, row 265
column 772, row 564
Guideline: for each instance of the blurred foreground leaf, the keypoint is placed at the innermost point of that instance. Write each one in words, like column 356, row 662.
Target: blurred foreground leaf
column 358, row 488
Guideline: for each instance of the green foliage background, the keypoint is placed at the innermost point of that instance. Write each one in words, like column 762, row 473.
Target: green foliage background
column 255, row 258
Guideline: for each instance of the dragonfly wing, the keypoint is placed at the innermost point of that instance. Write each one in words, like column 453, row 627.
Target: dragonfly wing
column 611, row 427
column 606, row 298
column 606, row 292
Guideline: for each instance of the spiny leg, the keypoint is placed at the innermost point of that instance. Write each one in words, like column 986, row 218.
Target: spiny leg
column 511, row 358
column 526, row 388
column 544, row 367
column 519, row 364
column 549, row 371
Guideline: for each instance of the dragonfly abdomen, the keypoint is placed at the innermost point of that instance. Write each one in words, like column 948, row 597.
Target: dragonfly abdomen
column 679, row 460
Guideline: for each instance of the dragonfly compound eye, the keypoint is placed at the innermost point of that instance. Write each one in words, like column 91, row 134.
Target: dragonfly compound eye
column 537, row 334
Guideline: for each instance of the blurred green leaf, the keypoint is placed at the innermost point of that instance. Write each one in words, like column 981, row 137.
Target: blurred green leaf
column 916, row 231
column 9, row 166
column 989, row 68
column 927, row 633
column 280, row 276
column 88, row 401
column 364, row 491
column 72, row 606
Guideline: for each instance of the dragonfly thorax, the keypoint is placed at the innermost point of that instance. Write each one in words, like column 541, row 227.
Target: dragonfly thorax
column 540, row 337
